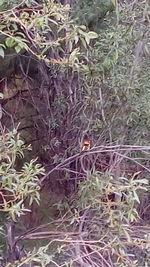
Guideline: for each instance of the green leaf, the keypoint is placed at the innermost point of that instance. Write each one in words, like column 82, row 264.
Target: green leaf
column 141, row 181
column 76, row 39
column 2, row 27
column 92, row 35
column 87, row 39
column 74, row 54
column 85, row 68
column 127, row 236
column 147, row 49
column 83, row 27
column 136, row 197
column 17, row 48
column 88, row 36
column 2, row 54
column 84, row 42
column 2, row 45
column 114, row 2
column 10, row 42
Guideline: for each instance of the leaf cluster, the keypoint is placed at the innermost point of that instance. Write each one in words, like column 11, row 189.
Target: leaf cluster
column 45, row 31
column 16, row 186
column 105, row 208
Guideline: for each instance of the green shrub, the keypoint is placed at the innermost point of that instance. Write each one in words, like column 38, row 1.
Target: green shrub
column 17, row 185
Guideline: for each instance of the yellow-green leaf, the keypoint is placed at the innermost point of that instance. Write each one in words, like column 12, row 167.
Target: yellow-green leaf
column 114, row 2
column 10, row 42
column 17, row 48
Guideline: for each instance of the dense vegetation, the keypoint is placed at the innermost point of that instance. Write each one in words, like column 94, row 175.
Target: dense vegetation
column 70, row 69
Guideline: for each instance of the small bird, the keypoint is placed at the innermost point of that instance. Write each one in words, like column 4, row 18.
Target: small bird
column 86, row 143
